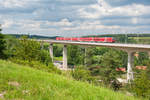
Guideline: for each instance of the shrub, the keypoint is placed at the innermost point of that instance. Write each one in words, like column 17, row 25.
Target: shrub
column 44, row 57
column 141, row 85
column 79, row 73
column 37, row 65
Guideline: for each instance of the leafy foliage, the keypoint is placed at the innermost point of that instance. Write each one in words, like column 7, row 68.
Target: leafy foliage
column 57, row 50
column 37, row 65
column 80, row 73
column 2, row 46
column 27, row 50
column 142, row 59
column 108, row 71
column 11, row 43
column 140, row 85
column 30, row 50
column 75, row 55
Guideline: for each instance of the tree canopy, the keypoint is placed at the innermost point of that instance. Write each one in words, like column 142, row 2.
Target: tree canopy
column 2, row 45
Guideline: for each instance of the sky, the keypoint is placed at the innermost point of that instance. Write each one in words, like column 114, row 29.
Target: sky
column 74, row 17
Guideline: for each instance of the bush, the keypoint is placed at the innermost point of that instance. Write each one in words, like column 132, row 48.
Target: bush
column 37, row 65
column 79, row 73
column 141, row 85
column 44, row 57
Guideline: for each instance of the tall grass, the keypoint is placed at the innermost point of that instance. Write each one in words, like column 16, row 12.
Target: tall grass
column 23, row 83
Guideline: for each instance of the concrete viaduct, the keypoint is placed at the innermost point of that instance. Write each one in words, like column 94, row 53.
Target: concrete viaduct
column 129, row 48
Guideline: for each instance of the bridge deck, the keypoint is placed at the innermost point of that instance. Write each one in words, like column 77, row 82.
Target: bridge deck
column 116, row 45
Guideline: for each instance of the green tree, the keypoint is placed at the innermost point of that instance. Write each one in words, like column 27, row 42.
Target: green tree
column 75, row 55
column 80, row 73
column 140, row 85
column 109, row 62
column 2, row 45
column 93, row 55
column 30, row 50
column 0, row 28
column 142, row 59
column 57, row 50
column 90, row 56
column 11, row 43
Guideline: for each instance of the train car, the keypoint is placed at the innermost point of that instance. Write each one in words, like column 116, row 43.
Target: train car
column 88, row 39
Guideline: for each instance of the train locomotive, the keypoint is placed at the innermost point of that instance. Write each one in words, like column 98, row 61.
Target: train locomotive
column 88, row 39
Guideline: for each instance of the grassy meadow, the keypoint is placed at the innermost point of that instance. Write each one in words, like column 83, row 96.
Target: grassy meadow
column 58, row 58
column 141, row 40
column 19, row 82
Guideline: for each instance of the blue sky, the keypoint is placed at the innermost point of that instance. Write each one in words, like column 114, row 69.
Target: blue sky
column 74, row 17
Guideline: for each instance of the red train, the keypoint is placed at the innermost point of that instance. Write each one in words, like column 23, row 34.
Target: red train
column 88, row 39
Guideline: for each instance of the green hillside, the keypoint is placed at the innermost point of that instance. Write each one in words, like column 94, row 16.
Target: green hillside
column 23, row 83
column 141, row 40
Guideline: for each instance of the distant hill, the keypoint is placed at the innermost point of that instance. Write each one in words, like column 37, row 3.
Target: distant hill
column 120, row 38
column 118, row 35
column 32, row 36
column 127, row 38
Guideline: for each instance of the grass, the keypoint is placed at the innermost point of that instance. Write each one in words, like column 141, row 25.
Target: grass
column 141, row 40
column 19, row 82
column 140, row 37
column 58, row 58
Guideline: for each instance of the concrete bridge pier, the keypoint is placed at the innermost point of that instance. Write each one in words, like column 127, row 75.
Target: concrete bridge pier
column 149, row 54
column 42, row 44
column 129, row 66
column 85, row 60
column 65, row 63
column 51, row 51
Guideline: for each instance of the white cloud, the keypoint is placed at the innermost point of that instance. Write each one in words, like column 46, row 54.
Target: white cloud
column 63, row 22
column 90, row 25
column 72, row 17
column 29, row 24
column 103, row 9
column 7, row 23
column 12, row 3
column 134, row 20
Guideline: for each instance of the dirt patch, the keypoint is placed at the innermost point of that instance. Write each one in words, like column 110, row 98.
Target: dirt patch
column 16, row 84
column 25, row 91
column 2, row 95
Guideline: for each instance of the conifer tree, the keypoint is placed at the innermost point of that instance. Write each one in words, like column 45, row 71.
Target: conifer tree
column 2, row 44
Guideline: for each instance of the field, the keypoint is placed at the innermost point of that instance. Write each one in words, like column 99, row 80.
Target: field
column 58, row 58
column 23, row 83
column 141, row 40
